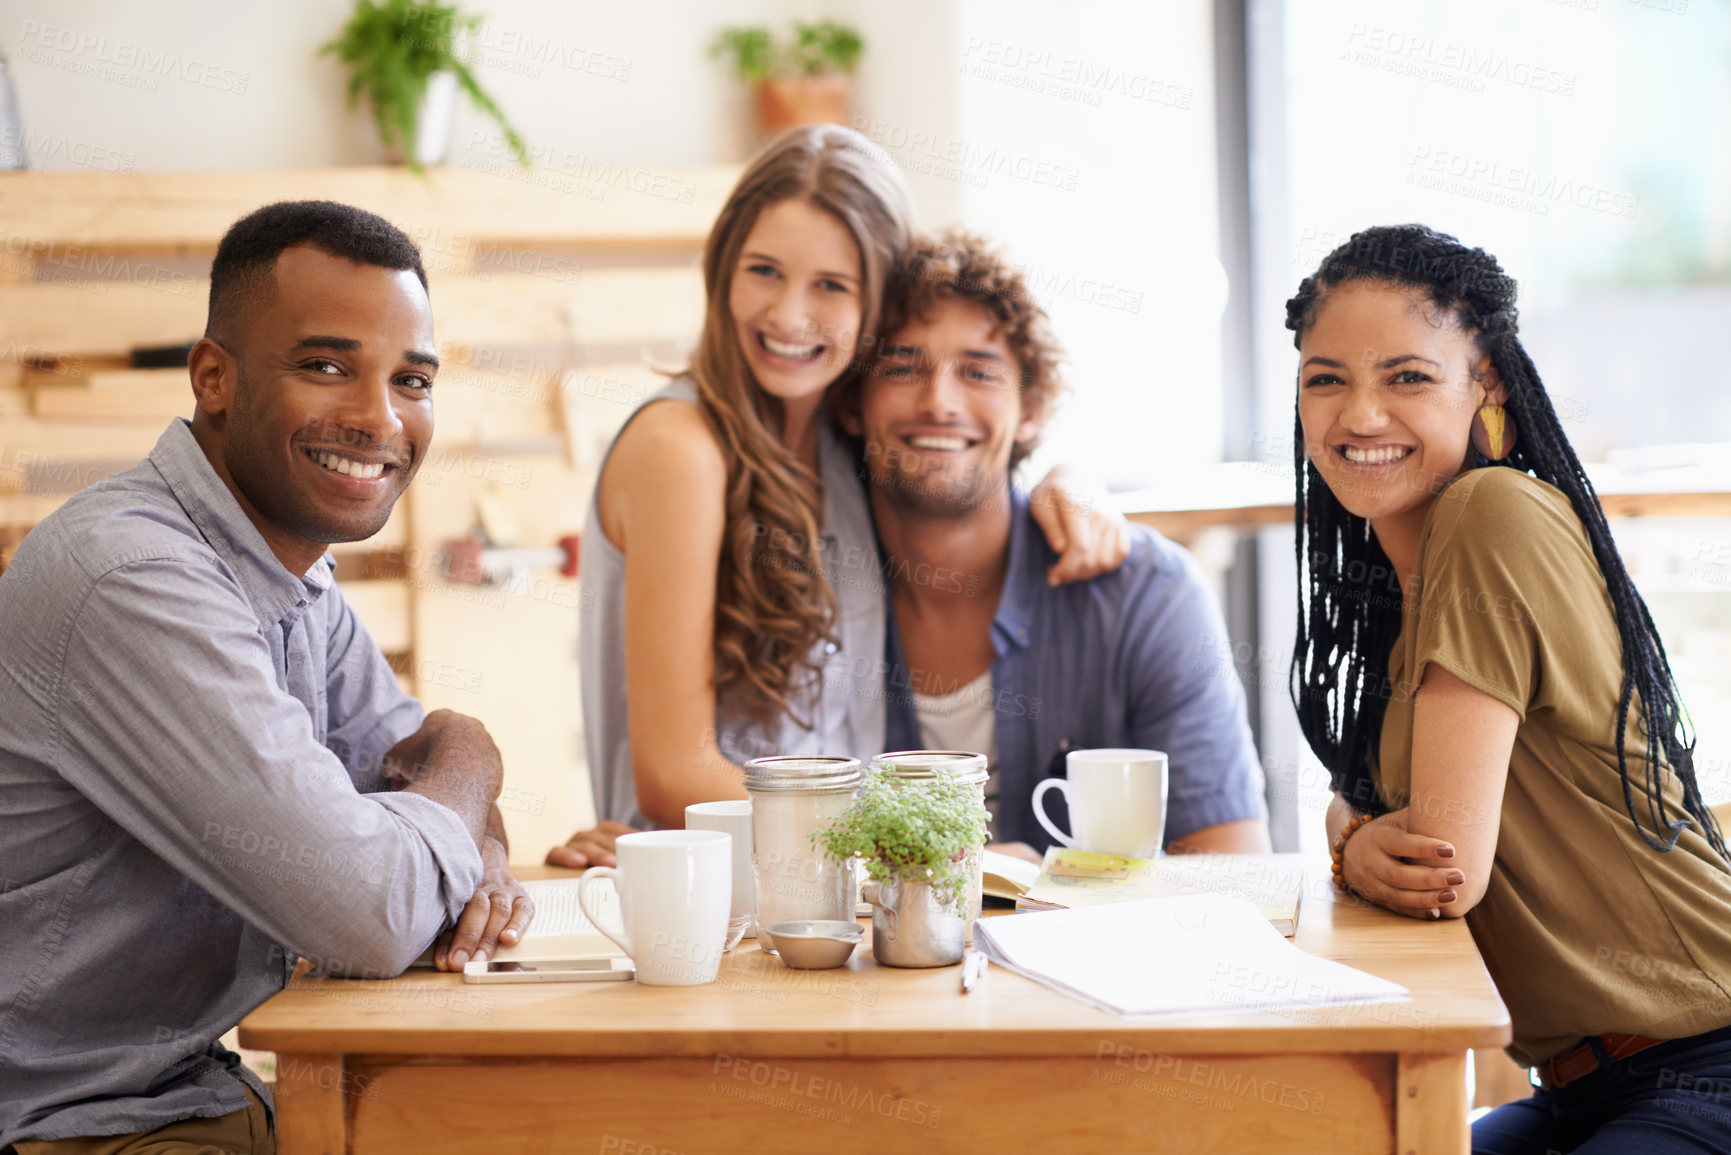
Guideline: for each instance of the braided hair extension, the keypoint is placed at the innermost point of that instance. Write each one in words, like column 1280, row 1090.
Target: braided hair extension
column 1349, row 599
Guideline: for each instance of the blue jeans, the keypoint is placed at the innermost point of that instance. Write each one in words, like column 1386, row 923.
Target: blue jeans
column 1675, row 1097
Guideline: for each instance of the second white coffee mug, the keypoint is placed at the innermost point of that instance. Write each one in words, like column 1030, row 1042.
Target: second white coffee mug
column 675, row 895
column 1117, row 801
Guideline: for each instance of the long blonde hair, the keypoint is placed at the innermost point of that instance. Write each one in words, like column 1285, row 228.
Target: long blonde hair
column 772, row 604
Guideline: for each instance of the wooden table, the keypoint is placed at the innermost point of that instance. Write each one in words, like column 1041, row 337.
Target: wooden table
column 879, row 1060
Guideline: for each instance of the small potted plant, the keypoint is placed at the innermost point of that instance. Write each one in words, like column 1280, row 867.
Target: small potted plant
column 804, row 79
column 920, row 844
column 404, row 55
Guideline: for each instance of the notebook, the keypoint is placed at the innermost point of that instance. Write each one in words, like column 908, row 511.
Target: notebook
column 559, row 929
column 1273, row 883
column 1155, row 958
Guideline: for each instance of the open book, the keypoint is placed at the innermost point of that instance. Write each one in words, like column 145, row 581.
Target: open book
column 559, row 929
column 1273, row 883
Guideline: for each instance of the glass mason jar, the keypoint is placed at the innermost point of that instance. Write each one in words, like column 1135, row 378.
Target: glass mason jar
column 915, row 767
column 793, row 797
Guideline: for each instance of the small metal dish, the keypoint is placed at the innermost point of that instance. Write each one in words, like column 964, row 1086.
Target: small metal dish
column 815, row 944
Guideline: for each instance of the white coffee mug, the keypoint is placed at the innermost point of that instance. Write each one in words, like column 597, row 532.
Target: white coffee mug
column 734, row 819
column 675, row 894
column 1117, row 801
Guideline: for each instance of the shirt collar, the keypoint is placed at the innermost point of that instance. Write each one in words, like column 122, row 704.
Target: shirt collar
column 273, row 591
column 1024, row 578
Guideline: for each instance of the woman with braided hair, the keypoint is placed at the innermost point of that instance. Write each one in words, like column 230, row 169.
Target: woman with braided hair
column 1487, row 689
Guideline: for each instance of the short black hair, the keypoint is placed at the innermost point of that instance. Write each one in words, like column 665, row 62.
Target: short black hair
column 246, row 258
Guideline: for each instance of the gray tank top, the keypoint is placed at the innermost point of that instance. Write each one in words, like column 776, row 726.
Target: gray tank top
column 847, row 711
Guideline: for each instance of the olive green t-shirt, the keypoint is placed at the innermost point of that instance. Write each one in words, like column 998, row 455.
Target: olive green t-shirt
column 1584, row 928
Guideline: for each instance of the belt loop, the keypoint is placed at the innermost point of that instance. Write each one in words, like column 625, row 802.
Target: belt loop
column 1606, row 1062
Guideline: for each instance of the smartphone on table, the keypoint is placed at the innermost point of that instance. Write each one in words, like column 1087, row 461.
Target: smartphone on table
column 569, row 970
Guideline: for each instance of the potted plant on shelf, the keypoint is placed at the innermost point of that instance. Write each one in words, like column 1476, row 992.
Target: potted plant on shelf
column 803, row 79
column 920, row 844
column 404, row 55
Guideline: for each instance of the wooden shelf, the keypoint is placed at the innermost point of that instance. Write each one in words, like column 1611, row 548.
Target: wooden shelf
column 603, row 206
column 603, row 308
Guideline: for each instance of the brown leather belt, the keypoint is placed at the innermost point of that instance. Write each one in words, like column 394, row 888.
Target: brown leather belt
column 1581, row 1061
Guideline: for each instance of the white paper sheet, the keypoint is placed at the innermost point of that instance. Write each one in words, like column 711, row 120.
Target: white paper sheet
column 1197, row 954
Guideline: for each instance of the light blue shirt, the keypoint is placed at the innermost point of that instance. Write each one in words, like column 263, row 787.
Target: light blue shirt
column 189, row 800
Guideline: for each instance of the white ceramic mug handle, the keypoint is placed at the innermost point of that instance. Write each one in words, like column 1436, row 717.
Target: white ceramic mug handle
column 1063, row 785
column 597, row 875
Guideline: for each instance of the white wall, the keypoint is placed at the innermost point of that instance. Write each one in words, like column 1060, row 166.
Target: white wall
column 211, row 84
column 192, row 85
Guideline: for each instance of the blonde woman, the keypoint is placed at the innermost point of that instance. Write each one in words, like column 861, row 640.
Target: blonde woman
column 740, row 607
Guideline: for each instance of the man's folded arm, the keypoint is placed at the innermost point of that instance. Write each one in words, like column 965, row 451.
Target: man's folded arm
column 171, row 720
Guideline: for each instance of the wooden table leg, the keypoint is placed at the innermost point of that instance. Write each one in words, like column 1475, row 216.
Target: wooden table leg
column 1431, row 1105
column 311, row 1114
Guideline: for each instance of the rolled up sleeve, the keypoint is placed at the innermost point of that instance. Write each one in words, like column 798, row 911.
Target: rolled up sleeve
column 171, row 719
column 1192, row 710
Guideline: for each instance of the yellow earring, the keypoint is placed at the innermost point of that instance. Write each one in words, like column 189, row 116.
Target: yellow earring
column 1493, row 432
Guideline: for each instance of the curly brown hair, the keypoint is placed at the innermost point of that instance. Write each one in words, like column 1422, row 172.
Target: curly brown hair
column 959, row 265
column 772, row 604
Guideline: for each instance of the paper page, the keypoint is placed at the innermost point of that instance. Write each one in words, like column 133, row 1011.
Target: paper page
column 560, row 929
column 1197, row 954
column 557, row 910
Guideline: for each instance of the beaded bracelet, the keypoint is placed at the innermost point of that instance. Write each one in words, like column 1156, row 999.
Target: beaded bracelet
column 1337, row 852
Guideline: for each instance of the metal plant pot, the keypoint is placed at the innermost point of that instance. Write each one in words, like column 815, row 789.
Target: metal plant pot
column 911, row 928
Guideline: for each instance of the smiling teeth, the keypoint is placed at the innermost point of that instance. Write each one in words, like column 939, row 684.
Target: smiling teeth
column 926, row 441
column 350, row 467
column 783, row 349
column 1381, row 455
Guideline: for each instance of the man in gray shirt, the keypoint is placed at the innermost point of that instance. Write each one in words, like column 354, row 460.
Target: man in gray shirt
column 207, row 769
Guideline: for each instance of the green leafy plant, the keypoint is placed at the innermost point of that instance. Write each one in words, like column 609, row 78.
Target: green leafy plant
column 826, row 47
column 393, row 48
column 928, row 831
column 819, row 49
column 753, row 51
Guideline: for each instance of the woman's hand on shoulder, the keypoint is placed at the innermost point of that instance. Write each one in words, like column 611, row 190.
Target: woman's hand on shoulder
column 1407, row 873
column 1073, row 510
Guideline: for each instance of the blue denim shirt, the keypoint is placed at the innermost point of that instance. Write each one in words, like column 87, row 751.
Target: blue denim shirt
column 1126, row 659
column 189, row 798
